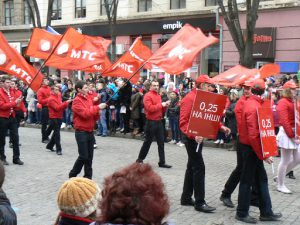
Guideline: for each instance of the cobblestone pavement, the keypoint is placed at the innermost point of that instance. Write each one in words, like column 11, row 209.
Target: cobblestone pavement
column 32, row 188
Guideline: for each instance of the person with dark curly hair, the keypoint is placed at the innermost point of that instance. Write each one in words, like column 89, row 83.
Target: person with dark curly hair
column 133, row 195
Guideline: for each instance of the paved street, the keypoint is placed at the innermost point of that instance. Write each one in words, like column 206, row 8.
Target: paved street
column 32, row 188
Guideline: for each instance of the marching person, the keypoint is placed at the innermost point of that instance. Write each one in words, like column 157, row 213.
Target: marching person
column 8, row 103
column 194, row 180
column 42, row 95
column 154, row 109
column 56, row 108
column 290, row 156
column 252, row 156
column 85, row 114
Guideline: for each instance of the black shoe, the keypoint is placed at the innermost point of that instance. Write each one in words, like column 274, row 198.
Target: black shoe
column 291, row 175
column 139, row 161
column 227, row 202
column 4, row 162
column 246, row 219
column 273, row 217
column 164, row 165
column 51, row 149
column 58, row 153
column 204, row 208
column 46, row 141
column 18, row 162
column 189, row 202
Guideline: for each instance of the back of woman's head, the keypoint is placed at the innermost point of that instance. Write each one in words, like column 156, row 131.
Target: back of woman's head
column 134, row 195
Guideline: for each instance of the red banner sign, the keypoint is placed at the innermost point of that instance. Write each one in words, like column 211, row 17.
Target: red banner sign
column 297, row 117
column 267, row 132
column 206, row 114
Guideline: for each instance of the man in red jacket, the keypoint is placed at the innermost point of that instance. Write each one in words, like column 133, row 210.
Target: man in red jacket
column 8, row 102
column 253, row 166
column 154, row 109
column 42, row 95
column 84, row 115
column 194, row 180
column 56, row 108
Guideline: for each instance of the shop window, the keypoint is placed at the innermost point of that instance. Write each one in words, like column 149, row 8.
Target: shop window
column 27, row 16
column 211, row 2
column 80, row 8
column 9, row 12
column 56, row 10
column 144, row 5
column 147, row 40
column 177, row 4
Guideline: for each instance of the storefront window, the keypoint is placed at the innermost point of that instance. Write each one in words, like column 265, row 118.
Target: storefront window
column 80, row 8
column 210, row 60
column 178, row 4
column 144, row 5
column 9, row 12
column 211, row 2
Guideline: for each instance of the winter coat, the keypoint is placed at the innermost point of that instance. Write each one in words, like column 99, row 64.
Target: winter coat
column 285, row 109
column 173, row 109
column 73, row 220
column 135, row 105
column 7, row 214
column 231, row 119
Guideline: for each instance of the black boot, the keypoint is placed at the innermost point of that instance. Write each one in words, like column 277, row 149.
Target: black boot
column 291, row 175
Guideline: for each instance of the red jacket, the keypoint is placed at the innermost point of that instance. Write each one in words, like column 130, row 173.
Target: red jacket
column 43, row 94
column 285, row 109
column 7, row 104
column 238, row 110
column 249, row 125
column 152, row 105
column 18, row 94
column 56, row 106
column 84, row 113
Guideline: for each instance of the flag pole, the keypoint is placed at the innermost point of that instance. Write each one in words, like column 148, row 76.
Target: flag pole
column 43, row 64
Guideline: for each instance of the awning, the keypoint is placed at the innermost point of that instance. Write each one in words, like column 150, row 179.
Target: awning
column 288, row 67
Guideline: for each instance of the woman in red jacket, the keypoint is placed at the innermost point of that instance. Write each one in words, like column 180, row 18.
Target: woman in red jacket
column 286, row 135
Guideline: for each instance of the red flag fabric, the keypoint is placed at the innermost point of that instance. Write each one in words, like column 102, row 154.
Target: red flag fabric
column 76, row 51
column 14, row 64
column 99, row 67
column 268, row 70
column 41, row 43
column 130, row 62
column 235, row 76
column 178, row 53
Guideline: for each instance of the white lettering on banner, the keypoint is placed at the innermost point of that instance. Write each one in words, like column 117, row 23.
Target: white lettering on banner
column 178, row 51
column 197, row 114
column 21, row 72
column 98, row 67
column 126, row 67
column 2, row 59
column 172, row 26
column 267, row 133
column 83, row 54
column 211, row 117
column 136, row 56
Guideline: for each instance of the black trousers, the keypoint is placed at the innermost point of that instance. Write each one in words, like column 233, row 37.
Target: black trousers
column 153, row 129
column 46, row 131
column 11, row 125
column 55, row 138
column 85, row 142
column 194, row 179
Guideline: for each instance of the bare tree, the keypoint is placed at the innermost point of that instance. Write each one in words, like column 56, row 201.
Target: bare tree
column 49, row 13
column 35, row 12
column 243, row 43
column 111, row 7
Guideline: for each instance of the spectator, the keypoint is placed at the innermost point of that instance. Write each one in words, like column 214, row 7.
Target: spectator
column 135, row 108
column 133, row 195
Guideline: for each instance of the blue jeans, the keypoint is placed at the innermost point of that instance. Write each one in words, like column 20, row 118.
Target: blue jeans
column 68, row 116
column 102, row 126
column 253, row 171
column 174, row 125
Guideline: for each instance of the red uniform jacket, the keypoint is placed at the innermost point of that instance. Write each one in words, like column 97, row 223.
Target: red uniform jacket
column 250, row 124
column 238, row 110
column 285, row 109
column 43, row 94
column 17, row 94
column 84, row 113
column 186, row 107
column 152, row 105
column 7, row 104
column 56, row 106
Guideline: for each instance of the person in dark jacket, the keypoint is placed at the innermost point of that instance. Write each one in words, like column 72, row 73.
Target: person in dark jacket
column 173, row 116
column 124, row 100
column 7, row 214
column 135, row 108
column 231, row 119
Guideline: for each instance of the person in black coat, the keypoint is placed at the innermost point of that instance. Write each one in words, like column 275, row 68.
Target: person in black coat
column 125, row 100
column 230, row 117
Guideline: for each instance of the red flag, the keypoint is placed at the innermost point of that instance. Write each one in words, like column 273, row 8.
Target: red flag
column 41, row 43
column 235, row 76
column 99, row 67
column 13, row 63
column 76, row 51
column 130, row 62
column 269, row 69
column 178, row 53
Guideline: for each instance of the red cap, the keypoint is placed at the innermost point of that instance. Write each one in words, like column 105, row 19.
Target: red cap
column 258, row 84
column 203, row 79
column 248, row 83
column 289, row 84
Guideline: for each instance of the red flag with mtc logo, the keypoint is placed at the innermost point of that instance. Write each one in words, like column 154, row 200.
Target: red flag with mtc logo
column 130, row 62
column 76, row 51
column 13, row 63
column 41, row 43
column 178, row 53
column 99, row 67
